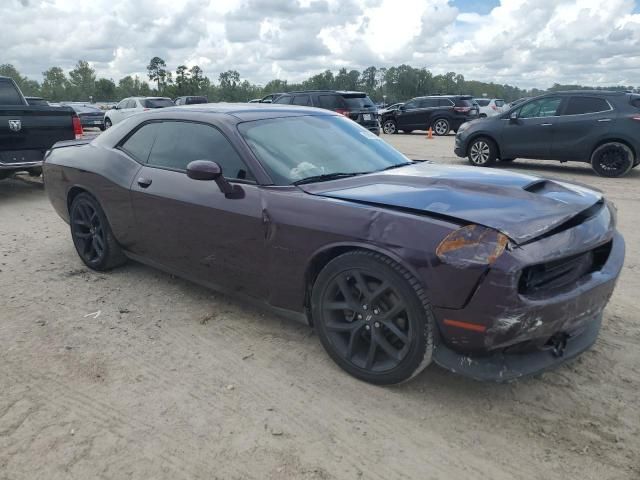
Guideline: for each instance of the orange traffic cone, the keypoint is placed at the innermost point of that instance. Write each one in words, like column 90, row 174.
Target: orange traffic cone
column 430, row 134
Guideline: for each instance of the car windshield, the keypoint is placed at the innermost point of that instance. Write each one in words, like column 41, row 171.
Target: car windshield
column 297, row 148
column 157, row 103
column 354, row 102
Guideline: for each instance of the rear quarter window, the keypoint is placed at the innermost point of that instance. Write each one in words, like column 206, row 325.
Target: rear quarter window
column 583, row 105
column 9, row 94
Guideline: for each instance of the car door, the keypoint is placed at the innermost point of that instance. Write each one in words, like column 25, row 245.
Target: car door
column 302, row 100
column 583, row 121
column 530, row 133
column 407, row 117
column 189, row 226
column 117, row 114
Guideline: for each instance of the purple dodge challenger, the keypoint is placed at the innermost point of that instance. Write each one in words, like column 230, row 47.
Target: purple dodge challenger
column 395, row 263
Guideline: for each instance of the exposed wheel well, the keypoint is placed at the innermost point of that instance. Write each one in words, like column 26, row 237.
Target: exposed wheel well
column 470, row 141
column 618, row 140
column 73, row 193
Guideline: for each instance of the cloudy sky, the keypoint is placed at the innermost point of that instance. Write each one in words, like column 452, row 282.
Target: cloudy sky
column 529, row 43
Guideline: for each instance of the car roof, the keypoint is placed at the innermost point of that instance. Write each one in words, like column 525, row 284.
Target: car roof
column 608, row 93
column 339, row 92
column 245, row 111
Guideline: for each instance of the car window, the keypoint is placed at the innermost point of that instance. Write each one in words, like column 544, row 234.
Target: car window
column 545, row 107
column 131, row 104
column 179, row 143
column 499, row 103
column 428, row 102
column 300, row 100
column 156, row 103
column 482, row 102
column 123, row 103
column 9, row 94
column 179, row 101
column 445, row 102
column 411, row 105
column 331, row 102
column 356, row 102
column 582, row 105
column 292, row 148
column 139, row 144
column 635, row 101
column 286, row 100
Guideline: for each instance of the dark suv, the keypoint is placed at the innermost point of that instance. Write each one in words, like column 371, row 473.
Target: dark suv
column 355, row 105
column 442, row 113
column 598, row 127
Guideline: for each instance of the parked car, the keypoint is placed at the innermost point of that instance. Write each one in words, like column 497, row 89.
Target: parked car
column 442, row 113
column 191, row 100
column 390, row 108
column 598, row 127
column 354, row 105
column 395, row 263
column 28, row 131
column 90, row 116
column 272, row 97
column 36, row 101
column 131, row 106
column 488, row 107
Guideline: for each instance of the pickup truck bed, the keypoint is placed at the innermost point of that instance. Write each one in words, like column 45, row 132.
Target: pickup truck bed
column 27, row 132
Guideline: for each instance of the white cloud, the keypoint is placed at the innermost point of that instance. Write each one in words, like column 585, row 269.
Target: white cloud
column 522, row 42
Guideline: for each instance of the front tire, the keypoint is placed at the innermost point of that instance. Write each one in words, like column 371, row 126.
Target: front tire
column 441, row 127
column 107, row 123
column 373, row 318
column 389, row 127
column 612, row 159
column 482, row 152
column 92, row 236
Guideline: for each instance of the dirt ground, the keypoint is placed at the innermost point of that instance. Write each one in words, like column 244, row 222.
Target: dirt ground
column 172, row 381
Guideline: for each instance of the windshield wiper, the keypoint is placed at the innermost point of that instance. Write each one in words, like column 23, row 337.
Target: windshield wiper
column 326, row 177
column 391, row 167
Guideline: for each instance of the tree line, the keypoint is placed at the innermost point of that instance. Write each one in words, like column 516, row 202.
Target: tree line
column 391, row 85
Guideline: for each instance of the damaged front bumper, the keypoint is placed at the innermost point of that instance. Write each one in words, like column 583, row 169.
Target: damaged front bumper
column 516, row 334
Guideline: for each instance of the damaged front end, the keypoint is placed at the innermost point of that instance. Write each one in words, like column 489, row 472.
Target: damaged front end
column 540, row 302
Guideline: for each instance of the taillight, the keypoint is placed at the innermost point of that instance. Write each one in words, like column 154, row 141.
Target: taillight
column 77, row 127
column 342, row 111
column 494, row 107
column 462, row 109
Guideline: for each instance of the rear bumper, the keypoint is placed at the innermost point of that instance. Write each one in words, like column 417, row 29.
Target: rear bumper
column 20, row 166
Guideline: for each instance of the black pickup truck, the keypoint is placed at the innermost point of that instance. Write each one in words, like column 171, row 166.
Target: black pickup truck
column 28, row 131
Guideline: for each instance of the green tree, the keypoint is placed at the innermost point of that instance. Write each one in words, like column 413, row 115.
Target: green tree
column 157, row 72
column 105, row 90
column 55, row 84
column 82, row 81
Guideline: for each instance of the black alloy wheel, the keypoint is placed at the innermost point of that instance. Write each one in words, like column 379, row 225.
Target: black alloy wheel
column 372, row 318
column 613, row 159
column 92, row 235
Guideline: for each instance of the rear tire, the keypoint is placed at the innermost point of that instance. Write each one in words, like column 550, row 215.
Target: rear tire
column 441, row 127
column 482, row 152
column 612, row 159
column 92, row 236
column 373, row 318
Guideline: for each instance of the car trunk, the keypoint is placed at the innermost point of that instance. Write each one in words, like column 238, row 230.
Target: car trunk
column 361, row 109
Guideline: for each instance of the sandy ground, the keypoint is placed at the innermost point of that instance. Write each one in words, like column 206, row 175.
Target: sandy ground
column 172, row 381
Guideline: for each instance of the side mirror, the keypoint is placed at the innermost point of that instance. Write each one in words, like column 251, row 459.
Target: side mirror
column 207, row 170
column 114, row 107
column 402, row 108
column 513, row 118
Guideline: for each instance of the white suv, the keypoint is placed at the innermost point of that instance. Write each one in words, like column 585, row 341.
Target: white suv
column 132, row 105
column 490, row 106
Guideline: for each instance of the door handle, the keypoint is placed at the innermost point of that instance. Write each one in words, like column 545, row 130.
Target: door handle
column 546, row 124
column 144, row 182
column 604, row 120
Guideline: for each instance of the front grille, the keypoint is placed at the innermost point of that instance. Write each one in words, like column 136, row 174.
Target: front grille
column 564, row 272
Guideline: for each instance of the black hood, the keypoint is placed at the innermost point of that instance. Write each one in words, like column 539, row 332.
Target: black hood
column 522, row 207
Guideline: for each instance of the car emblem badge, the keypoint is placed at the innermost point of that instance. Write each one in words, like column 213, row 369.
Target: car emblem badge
column 15, row 125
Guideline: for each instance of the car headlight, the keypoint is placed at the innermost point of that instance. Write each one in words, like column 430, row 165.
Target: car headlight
column 472, row 245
